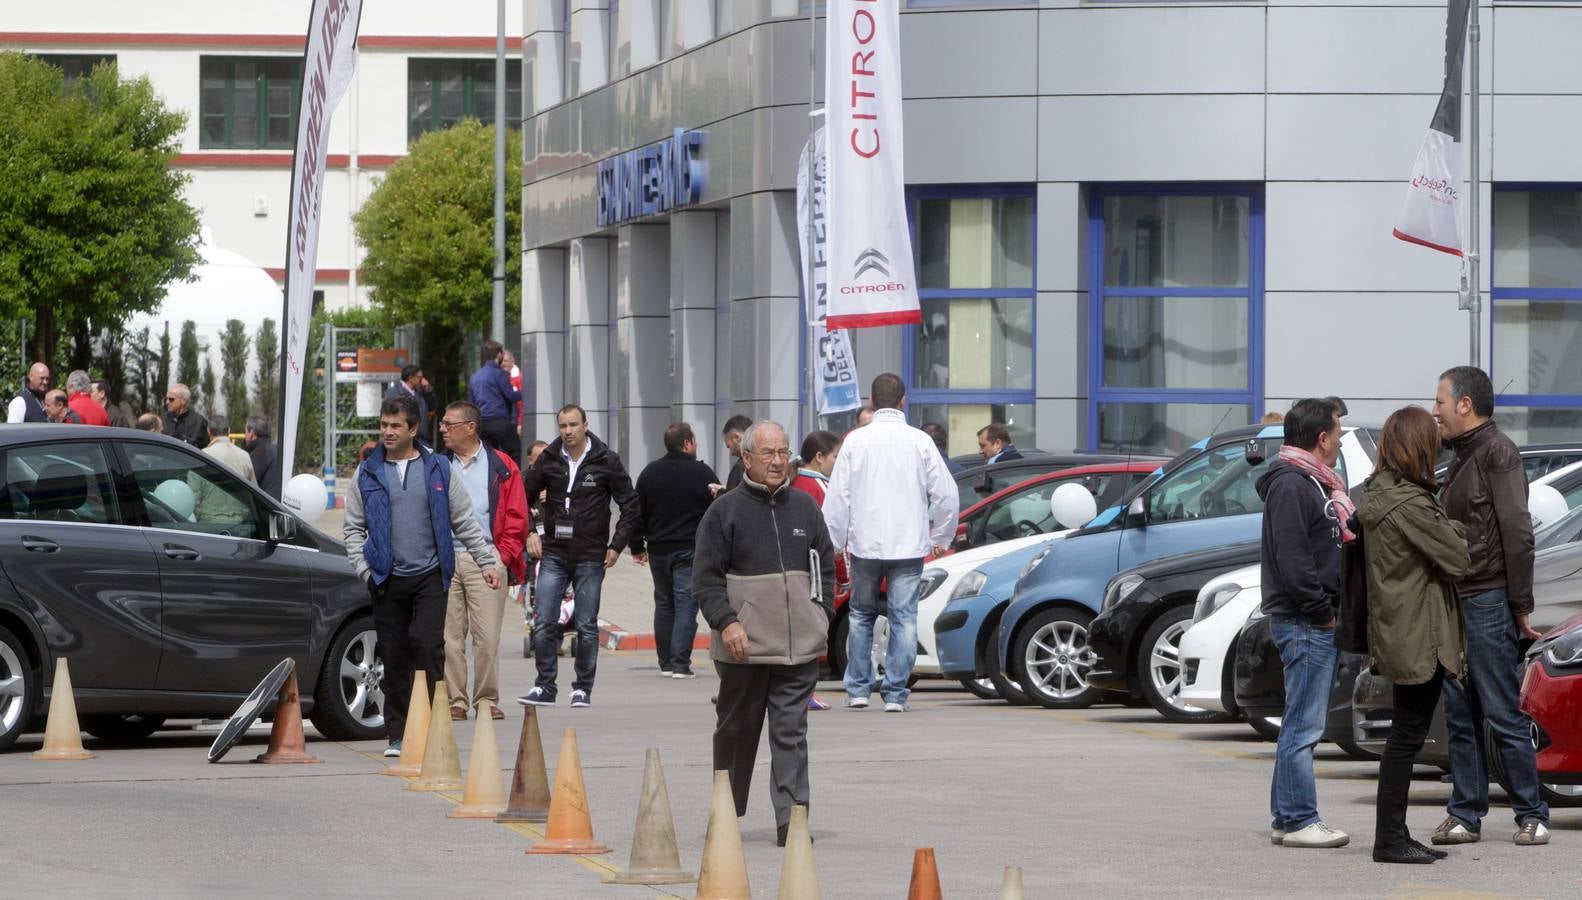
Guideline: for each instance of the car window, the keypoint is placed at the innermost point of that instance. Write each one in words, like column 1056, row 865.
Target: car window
column 1219, row 482
column 1027, row 512
column 186, row 492
column 1538, row 466
column 60, row 483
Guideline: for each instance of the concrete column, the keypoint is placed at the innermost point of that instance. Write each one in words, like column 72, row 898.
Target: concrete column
column 543, row 340
column 590, row 46
column 641, row 365
column 694, row 23
column 588, row 332
column 766, row 309
column 543, row 55
column 694, row 259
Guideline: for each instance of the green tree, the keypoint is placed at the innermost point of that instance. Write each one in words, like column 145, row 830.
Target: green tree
column 209, row 389
column 110, row 361
column 139, row 370
column 233, row 356
column 266, row 381
column 93, row 222
column 429, row 232
column 156, row 390
column 187, row 371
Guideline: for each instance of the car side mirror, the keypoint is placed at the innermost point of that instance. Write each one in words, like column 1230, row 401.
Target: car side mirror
column 1137, row 512
column 282, row 527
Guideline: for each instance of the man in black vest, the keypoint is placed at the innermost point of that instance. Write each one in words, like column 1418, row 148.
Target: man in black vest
column 28, row 405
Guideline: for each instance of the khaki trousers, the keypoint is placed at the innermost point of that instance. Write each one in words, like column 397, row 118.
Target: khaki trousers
column 473, row 610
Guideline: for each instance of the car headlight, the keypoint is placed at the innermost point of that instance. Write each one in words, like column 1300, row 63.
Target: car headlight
column 931, row 580
column 1120, row 588
column 1033, row 563
column 1565, row 651
column 970, row 585
column 1210, row 603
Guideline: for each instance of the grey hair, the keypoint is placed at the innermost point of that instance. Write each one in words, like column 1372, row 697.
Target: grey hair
column 78, row 382
column 750, row 436
column 183, row 391
column 259, row 425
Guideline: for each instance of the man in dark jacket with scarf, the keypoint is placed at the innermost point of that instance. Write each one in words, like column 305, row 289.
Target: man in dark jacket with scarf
column 582, row 477
column 769, row 606
column 1306, row 515
column 401, row 516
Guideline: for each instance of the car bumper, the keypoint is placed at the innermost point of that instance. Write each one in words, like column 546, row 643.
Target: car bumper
column 956, row 633
column 1111, row 635
column 1553, row 700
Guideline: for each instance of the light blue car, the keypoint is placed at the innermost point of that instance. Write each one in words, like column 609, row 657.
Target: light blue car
column 963, row 628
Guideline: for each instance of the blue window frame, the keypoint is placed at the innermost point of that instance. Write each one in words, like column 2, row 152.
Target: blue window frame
column 1175, row 338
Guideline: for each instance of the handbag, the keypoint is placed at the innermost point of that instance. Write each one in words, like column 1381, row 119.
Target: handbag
column 1351, row 625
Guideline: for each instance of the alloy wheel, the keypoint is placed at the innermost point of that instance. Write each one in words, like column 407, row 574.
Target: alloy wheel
column 13, row 688
column 1164, row 666
column 1058, row 659
column 361, row 672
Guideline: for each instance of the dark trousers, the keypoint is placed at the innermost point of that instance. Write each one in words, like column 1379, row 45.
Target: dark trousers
column 675, row 611
column 586, row 578
column 501, row 434
column 1413, row 713
column 748, row 694
column 409, row 617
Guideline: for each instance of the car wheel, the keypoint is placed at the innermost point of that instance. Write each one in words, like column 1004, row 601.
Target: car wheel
column 837, row 649
column 122, row 729
column 349, row 704
column 1552, row 794
column 982, row 688
column 1053, row 659
column 1160, row 671
column 1009, row 691
column 1268, row 727
column 19, row 689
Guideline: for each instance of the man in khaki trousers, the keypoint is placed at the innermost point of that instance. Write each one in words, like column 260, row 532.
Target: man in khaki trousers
column 474, row 609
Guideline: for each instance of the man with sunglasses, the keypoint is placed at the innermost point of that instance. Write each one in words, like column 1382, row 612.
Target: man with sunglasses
column 183, row 422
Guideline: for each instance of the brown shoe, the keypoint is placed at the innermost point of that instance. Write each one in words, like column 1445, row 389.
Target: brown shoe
column 494, row 712
column 458, row 714
column 1453, row 831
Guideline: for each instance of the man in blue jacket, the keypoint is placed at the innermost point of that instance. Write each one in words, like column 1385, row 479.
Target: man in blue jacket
column 490, row 390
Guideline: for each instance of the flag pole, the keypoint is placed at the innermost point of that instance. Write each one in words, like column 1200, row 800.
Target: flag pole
column 809, row 377
column 1475, row 241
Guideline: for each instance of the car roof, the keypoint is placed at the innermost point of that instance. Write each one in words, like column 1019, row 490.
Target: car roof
column 1135, row 466
column 35, row 432
column 1042, row 460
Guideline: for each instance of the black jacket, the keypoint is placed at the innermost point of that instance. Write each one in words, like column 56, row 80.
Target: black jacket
column 672, row 494
column 601, row 479
column 735, row 477
column 266, row 465
column 32, row 404
column 1009, row 453
column 1486, row 490
column 190, row 426
column 1301, row 546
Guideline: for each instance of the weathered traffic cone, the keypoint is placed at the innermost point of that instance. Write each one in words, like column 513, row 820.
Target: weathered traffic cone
column 798, row 875
column 286, row 743
column 570, row 828
column 414, row 736
column 925, row 876
column 441, row 763
column 724, row 875
column 484, row 795
column 62, row 735
column 1011, row 884
column 529, row 801
column 655, row 859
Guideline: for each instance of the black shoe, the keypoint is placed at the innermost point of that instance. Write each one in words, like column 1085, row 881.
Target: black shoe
column 1403, row 853
column 1436, row 854
column 780, row 835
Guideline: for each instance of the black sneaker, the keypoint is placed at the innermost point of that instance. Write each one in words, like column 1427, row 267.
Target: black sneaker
column 782, row 830
column 537, row 697
column 1436, row 854
column 581, row 700
column 1409, row 853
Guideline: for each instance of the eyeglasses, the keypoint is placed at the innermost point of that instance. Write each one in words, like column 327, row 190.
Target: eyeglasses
column 443, row 423
column 170, row 399
column 772, row 454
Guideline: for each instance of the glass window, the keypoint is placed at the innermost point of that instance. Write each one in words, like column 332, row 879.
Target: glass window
column 187, row 492
column 1219, row 482
column 971, row 243
column 1538, row 239
column 442, row 92
column 1169, row 428
column 60, row 483
column 963, row 420
column 1538, row 346
column 975, row 343
column 1170, row 240
column 1027, row 512
column 1539, row 425
column 1175, row 342
column 248, row 103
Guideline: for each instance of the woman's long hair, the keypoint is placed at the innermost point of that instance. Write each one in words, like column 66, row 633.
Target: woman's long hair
column 1409, row 446
column 818, row 442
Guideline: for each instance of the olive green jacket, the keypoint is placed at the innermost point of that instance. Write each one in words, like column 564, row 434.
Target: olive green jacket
column 1415, row 554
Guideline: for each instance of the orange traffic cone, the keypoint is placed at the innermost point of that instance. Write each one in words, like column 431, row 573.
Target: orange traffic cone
column 798, row 875
column 414, row 736
column 1011, row 884
column 484, row 795
column 925, row 876
column 655, row 859
column 62, row 736
column 570, row 827
column 286, row 744
column 724, row 875
column 529, row 800
column 441, row 763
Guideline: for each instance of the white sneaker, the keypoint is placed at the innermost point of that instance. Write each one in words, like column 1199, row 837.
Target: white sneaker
column 683, row 675
column 856, row 703
column 1277, row 836
column 896, row 707
column 665, row 673
column 1316, row 835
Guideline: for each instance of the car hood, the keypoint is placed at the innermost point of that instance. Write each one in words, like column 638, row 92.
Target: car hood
column 967, row 560
column 1215, row 559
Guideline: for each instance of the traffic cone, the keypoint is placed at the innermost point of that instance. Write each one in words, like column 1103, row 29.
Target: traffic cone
column 441, row 763
column 798, row 875
column 724, row 875
column 1011, row 884
column 62, row 735
column 484, row 795
column 570, row 828
column 655, row 859
column 286, row 743
column 529, row 801
column 414, row 737
column 925, row 876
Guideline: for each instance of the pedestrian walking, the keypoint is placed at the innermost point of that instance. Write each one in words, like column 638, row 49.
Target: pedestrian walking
column 402, row 521
column 864, row 416
column 673, row 492
column 183, row 422
column 508, row 363
column 114, row 414
column 58, row 410
column 891, row 502
column 261, row 450
column 735, row 426
column 490, row 390
column 941, row 441
column 764, row 578
column 413, row 384
column 994, row 444
column 581, row 477
column 1486, row 490
column 820, row 449
column 1415, row 555
column 1306, row 516
column 28, row 404
column 79, row 397
column 475, row 609
column 234, row 457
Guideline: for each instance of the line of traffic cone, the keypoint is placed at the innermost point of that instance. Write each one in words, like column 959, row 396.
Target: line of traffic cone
column 724, row 874
column 1011, row 884
column 655, row 858
column 483, row 797
column 798, row 875
column 62, row 734
column 925, row 876
column 570, row 827
column 441, row 763
column 414, row 737
column 529, row 800
column 286, row 742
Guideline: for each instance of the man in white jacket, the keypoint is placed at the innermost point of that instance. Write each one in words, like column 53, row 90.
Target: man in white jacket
column 891, row 502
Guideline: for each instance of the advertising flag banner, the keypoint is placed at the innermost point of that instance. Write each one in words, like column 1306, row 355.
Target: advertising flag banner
column 327, row 70
column 834, row 366
column 871, row 276
column 1432, row 213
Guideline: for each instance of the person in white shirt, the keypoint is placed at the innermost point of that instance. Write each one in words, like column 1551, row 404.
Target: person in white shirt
column 890, row 503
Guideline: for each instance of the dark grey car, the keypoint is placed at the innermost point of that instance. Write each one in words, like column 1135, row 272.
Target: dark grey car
column 171, row 585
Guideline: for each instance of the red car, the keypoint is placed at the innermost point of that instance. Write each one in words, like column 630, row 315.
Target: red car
column 1022, row 510
column 1552, row 697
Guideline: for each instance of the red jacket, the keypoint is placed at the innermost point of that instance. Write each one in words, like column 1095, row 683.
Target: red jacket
column 508, row 519
column 90, row 412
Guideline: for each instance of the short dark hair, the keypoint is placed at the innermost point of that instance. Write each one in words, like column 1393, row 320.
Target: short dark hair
column 407, row 371
column 469, row 412
column 218, row 428
column 100, row 384
column 492, row 350
column 938, row 433
column 403, row 406
column 887, row 392
column 1307, row 420
column 995, row 431
column 258, row 425
column 737, row 423
column 677, row 435
column 1340, row 406
column 818, row 442
column 1473, row 383
column 568, row 408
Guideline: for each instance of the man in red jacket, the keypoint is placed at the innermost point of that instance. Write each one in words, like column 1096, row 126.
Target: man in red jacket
column 473, row 608
column 80, row 400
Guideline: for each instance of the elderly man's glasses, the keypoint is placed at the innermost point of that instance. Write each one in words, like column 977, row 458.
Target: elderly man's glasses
column 768, row 454
column 446, row 423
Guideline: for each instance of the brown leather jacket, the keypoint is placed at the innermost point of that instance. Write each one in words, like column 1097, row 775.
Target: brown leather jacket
column 1486, row 490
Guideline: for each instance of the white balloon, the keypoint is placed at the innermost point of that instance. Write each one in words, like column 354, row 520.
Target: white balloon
column 175, row 494
column 1545, row 504
column 305, row 495
column 1073, row 505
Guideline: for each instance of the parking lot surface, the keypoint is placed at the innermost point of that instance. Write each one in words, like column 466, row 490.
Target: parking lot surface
column 1105, row 802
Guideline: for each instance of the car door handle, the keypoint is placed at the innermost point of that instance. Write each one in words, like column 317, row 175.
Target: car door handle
column 38, row 544
column 176, row 551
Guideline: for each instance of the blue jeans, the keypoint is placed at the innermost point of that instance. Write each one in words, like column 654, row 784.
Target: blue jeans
column 1489, row 694
column 902, row 577
column 675, row 612
column 587, row 580
column 1308, row 654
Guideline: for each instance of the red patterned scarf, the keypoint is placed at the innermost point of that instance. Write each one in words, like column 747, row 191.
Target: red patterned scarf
column 1339, row 506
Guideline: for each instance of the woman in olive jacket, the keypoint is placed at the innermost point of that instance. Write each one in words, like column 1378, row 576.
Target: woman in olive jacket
column 1414, row 555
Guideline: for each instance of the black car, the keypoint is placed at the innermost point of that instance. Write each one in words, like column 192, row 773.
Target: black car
column 1137, row 635
column 171, row 585
column 1260, row 688
column 975, row 482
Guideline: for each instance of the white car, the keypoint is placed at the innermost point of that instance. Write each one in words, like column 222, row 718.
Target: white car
column 1223, row 607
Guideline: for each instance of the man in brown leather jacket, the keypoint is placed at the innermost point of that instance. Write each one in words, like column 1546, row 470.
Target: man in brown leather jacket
column 1486, row 490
